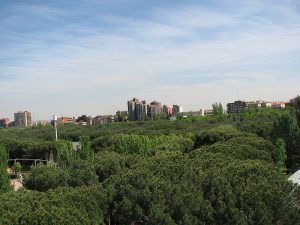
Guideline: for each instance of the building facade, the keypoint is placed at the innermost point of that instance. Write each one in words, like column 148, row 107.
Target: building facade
column 177, row 109
column 168, row 110
column 22, row 119
column 137, row 110
column 66, row 120
column 154, row 109
column 236, row 107
column 4, row 122
column 99, row 120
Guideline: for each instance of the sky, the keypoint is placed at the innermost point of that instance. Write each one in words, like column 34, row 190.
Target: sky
column 75, row 57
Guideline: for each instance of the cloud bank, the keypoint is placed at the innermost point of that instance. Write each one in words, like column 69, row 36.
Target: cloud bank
column 92, row 56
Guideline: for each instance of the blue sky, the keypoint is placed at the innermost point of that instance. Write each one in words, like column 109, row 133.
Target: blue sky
column 91, row 56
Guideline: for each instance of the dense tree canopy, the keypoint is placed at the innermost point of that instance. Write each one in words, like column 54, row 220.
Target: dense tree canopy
column 209, row 170
column 4, row 179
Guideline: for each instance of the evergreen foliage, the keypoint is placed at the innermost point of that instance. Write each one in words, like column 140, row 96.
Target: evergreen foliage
column 4, row 179
column 212, row 170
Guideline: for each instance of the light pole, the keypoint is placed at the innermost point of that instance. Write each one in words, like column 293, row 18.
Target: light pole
column 55, row 125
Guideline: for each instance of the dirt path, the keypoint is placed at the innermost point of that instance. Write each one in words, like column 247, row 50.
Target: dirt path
column 16, row 184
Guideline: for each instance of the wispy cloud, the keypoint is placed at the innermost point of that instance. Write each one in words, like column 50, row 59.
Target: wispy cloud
column 173, row 53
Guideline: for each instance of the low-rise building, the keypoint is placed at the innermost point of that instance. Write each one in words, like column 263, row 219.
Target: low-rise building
column 278, row 105
column 236, row 107
column 208, row 112
column 98, row 120
column 66, row 120
column 4, row 122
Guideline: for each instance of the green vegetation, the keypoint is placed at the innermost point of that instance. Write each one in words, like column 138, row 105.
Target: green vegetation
column 218, row 109
column 17, row 167
column 4, row 179
column 214, row 170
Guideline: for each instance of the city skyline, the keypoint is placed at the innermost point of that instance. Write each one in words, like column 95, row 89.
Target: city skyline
column 258, row 103
column 90, row 56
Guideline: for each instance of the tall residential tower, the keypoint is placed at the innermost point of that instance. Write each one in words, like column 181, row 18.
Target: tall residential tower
column 22, row 119
column 137, row 110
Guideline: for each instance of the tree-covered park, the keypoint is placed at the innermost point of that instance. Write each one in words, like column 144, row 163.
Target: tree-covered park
column 222, row 169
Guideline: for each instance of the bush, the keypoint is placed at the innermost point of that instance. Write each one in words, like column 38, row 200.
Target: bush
column 45, row 177
column 81, row 173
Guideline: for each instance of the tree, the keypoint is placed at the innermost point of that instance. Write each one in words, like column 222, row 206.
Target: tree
column 45, row 177
column 297, row 106
column 82, row 172
column 280, row 154
column 82, row 118
column 65, row 154
column 4, row 178
column 285, row 127
column 17, row 167
column 218, row 109
column 85, row 151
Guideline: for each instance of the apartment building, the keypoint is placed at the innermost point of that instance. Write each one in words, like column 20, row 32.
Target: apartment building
column 177, row 109
column 154, row 109
column 137, row 110
column 22, row 119
column 168, row 110
column 236, row 107
column 99, row 120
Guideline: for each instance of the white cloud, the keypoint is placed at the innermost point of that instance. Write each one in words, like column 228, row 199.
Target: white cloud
column 90, row 70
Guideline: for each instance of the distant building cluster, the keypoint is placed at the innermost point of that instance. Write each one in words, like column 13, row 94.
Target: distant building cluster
column 140, row 111
column 240, row 106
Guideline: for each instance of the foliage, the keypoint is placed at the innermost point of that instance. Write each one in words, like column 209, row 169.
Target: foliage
column 109, row 163
column 285, row 127
column 200, row 170
column 65, row 154
column 204, row 189
column 45, row 177
column 218, row 109
column 81, row 173
column 149, row 145
column 4, row 179
column 61, row 206
column 280, row 154
column 85, row 151
column 82, row 118
column 213, row 135
column 32, row 148
column 103, row 143
column 17, row 167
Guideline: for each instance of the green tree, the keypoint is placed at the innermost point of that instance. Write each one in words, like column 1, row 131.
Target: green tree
column 85, row 150
column 17, row 167
column 280, row 154
column 297, row 106
column 65, row 154
column 4, row 178
column 84, row 205
column 285, row 127
column 82, row 172
column 45, row 177
column 218, row 109
column 82, row 118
